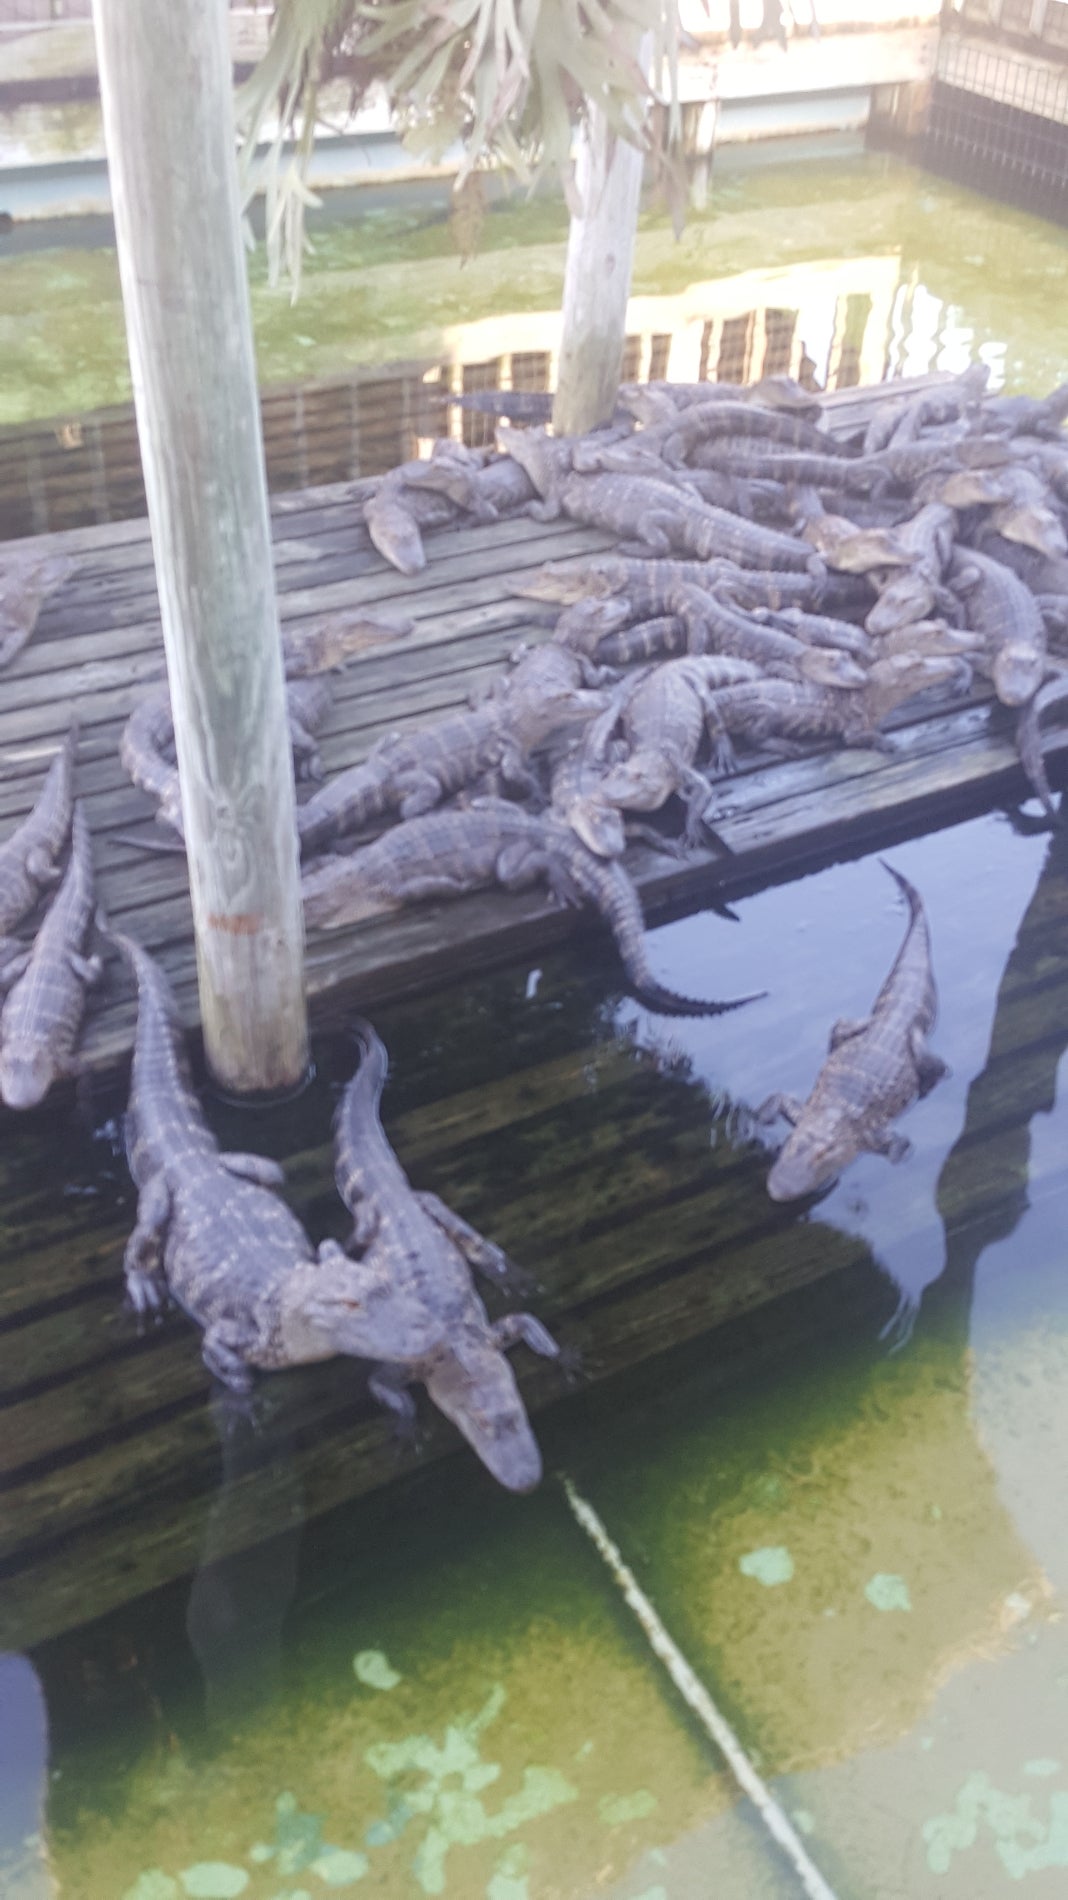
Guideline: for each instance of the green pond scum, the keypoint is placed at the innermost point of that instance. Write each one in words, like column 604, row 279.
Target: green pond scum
column 836, row 1457
column 389, row 285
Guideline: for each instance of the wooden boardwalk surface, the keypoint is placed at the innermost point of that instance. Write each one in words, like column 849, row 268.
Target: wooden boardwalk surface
column 98, row 645
column 582, row 1156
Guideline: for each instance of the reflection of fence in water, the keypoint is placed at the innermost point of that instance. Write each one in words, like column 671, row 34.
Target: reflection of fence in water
column 827, row 324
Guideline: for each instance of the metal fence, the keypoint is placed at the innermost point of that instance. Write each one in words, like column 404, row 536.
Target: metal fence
column 998, row 120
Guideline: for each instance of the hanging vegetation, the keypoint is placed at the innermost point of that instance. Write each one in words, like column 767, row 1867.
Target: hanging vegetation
column 507, row 81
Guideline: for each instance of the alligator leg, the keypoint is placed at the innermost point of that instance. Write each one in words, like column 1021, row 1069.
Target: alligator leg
column 366, row 1220
column 786, row 1105
column 88, row 970
column 143, row 1258
column 929, row 1068
column 419, row 793
column 846, row 1028
column 14, row 959
column 40, row 866
column 883, row 1141
column 221, row 1352
column 523, row 1326
column 482, row 1254
column 255, row 1168
column 389, row 1385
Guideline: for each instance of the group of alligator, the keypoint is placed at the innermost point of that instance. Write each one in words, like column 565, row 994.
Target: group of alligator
column 736, row 607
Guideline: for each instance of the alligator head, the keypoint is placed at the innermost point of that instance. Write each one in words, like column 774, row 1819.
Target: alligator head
column 814, row 1154
column 1018, row 671
column 27, row 1072
column 475, row 1387
column 899, row 676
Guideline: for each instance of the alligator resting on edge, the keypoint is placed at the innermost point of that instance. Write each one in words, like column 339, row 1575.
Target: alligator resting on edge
column 448, row 853
column 875, row 1068
column 428, row 1319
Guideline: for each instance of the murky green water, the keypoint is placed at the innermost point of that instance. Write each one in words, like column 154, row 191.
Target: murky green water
column 858, row 1541
column 949, row 274
column 847, row 1505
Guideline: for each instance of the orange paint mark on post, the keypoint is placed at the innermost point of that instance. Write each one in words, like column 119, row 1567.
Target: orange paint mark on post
column 241, row 924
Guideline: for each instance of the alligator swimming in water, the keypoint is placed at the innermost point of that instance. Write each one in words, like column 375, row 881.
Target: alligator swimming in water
column 42, row 1015
column 875, row 1068
column 211, row 1232
column 449, row 853
column 28, row 858
column 426, row 1315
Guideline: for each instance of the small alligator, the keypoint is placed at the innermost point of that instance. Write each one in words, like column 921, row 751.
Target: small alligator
column 412, row 773
column 310, row 649
column 858, row 477
column 210, row 1231
column 426, row 1315
column 147, row 752
column 28, row 858
column 42, row 1015
column 1029, row 740
column 677, row 437
column 491, row 841
column 712, row 624
column 663, row 717
column 874, row 1070
column 845, row 545
column 436, row 493
column 910, row 594
column 776, row 713
column 27, row 578
column 1003, row 610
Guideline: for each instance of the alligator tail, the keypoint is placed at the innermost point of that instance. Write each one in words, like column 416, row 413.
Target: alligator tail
column 357, row 1112
column 911, row 894
column 608, row 885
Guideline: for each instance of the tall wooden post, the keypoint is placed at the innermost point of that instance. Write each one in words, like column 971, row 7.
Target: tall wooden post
column 600, row 255
column 165, row 82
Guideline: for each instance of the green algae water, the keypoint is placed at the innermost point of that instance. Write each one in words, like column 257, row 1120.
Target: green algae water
column 846, row 1504
column 265, row 1657
column 945, row 274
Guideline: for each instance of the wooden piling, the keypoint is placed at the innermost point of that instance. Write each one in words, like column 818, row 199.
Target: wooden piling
column 597, row 272
column 165, row 82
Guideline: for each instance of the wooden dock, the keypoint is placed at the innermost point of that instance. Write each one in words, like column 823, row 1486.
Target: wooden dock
column 585, row 1158
column 98, row 646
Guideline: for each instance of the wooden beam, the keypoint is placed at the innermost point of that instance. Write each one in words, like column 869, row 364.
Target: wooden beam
column 597, row 272
column 168, row 119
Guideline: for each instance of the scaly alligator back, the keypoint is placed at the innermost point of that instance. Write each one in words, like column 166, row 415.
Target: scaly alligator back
column 27, row 858
column 164, row 1120
column 43, row 1012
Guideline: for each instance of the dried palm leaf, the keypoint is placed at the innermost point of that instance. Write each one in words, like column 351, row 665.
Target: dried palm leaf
column 510, row 80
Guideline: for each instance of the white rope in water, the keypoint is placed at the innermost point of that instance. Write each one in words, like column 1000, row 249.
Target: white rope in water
column 693, row 1690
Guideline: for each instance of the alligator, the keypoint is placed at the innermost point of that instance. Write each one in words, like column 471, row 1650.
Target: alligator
column 1027, row 415
column 1029, row 740
column 910, row 595
column 843, row 543
column 895, row 422
column 649, row 581
column 28, row 858
column 824, row 630
column 431, row 1323
column 310, row 649
column 491, row 841
column 859, row 476
column 1003, row 610
column 713, row 624
column 147, row 752
column 27, row 578
column 483, row 485
column 411, row 773
column 874, row 1070
column 677, row 437
column 655, row 518
column 396, row 513
column 1019, row 500
column 42, row 1015
column 211, row 1232
column 663, row 717
column 775, row 713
